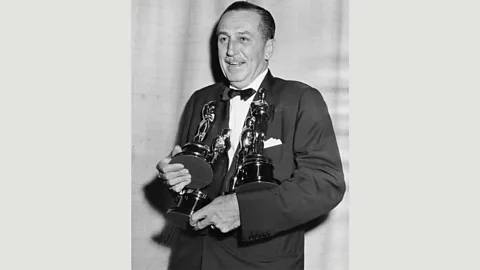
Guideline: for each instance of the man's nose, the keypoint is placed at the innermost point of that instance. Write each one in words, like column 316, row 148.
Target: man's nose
column 232, row 48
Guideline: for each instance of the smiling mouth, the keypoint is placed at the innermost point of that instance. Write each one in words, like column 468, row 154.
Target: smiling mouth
column 234, row 63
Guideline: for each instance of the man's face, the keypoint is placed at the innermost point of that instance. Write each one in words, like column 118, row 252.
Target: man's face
column 242, row 51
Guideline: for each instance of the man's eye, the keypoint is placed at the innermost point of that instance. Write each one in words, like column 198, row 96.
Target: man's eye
column 222, row 39
column 243, row 39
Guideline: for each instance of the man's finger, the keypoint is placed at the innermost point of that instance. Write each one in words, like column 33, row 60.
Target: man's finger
column 198, row 215
column 168, row 168
column 160, row 165
column 176, row 149
column 169, row 176
column 177, row 179
column 203, row 224
column 177, row 188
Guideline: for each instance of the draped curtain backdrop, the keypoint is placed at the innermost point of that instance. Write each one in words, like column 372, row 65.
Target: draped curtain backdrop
column 171, row 58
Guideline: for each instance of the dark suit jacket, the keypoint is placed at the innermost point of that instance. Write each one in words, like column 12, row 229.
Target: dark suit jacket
column 307, row 163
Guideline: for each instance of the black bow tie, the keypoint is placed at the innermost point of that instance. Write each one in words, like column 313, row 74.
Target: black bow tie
column 229, row 93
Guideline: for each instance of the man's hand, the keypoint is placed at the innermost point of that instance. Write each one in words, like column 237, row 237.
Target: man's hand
column 174, row 175
column 222, row 213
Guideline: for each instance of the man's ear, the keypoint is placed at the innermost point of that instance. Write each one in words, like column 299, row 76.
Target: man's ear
column 269, row 47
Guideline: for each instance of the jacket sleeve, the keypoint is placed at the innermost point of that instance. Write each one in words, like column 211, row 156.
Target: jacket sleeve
column 185, row 122
column 316, row 186
column 181, row 139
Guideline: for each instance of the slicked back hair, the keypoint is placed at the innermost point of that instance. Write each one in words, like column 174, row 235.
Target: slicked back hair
column 267, row 23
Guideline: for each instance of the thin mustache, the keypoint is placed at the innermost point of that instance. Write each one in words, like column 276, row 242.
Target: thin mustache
column 234, row 60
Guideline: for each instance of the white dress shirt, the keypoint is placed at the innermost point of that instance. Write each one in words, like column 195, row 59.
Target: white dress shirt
column 238, row 113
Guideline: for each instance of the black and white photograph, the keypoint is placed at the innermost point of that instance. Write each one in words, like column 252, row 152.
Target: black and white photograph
column 224, row 134
column 240, row 135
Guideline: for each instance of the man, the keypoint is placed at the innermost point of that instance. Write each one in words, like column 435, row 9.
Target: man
column 259, row 229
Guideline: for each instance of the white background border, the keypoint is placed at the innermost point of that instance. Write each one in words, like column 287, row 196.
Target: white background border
column 66, row 158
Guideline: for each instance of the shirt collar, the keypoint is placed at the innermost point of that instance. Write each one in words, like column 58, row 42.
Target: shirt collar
column 256, row 83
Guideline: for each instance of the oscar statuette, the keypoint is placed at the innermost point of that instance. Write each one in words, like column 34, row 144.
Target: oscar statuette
column 254, row 170
column 196, row 157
